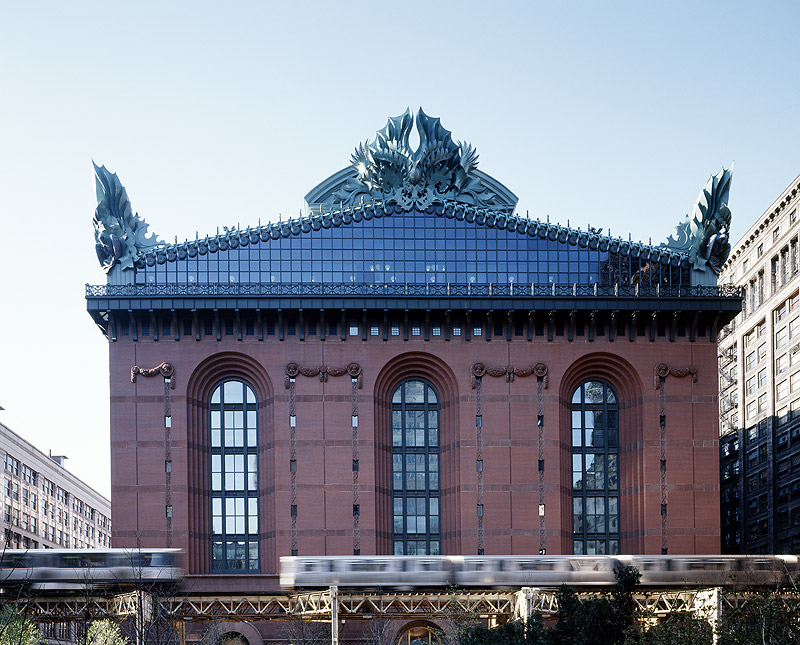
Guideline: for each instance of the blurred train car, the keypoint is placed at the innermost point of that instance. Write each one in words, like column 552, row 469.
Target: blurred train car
column 66, row 568
column 409, row 572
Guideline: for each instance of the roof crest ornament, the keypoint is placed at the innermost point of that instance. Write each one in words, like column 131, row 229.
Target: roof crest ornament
column 440, row 169
column 119, row 234
column 704, row 234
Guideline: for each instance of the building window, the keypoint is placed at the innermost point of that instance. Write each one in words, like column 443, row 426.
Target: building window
column 595, row 472
column 234, row 478
column 415, row 470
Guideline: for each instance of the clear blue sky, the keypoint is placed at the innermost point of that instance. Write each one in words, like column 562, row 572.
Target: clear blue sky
column 607, row 113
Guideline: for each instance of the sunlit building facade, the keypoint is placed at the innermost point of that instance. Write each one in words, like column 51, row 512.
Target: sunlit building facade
column 759, row 380
column 45, row 505
column 409, row 368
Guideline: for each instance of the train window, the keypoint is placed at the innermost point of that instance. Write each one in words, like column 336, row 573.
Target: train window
column 415, row 469
column 233, row 442
column 595, row 469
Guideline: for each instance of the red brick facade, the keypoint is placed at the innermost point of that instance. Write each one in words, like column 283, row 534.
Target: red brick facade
column 673, row 417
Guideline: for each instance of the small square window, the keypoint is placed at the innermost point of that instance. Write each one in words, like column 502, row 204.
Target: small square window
column 354, row 329
column 477, row 330
column 479, row 465
column 480, row 510
column 355, row 465
column 293, row 465
column 395, row 329
column 374, row 330
column 437, row 329
column 354, row 421
column 294, row 510
column 415, row 329
column 167, row 466
column 456, row 330
column 169, row 510
column 167, row 422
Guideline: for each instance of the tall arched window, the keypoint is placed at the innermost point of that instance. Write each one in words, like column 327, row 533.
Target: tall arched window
column 595, row 469
column 415, row 469
column 234, row 478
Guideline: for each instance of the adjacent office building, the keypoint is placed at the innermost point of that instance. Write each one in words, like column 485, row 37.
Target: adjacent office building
column 45, row 505
column 759, row 380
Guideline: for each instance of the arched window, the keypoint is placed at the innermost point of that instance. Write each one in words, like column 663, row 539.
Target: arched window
column 418, row 636
column 595, row 469
column 234, row 478
column 415, row 469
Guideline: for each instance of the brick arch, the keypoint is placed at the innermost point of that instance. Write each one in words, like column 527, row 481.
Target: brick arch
column 206, row 376
column 430, row 368
column 627, row 384
column 223, row 629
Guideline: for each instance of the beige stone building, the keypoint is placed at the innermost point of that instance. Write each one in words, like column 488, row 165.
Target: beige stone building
column 45, row 505
column 759, row 372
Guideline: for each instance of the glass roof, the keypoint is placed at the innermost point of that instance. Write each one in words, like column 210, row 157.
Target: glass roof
column 414, row 248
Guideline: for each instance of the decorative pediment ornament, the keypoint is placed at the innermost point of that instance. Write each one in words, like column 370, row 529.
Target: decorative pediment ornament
column 662, row 371
column 119, row 234
column 167, row 370
column 704, row 233
column 387, row 169
column 479, row 370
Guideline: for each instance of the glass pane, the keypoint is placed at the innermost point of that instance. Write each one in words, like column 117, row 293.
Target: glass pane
column 396, row 396
column 613, row 479
column 215, row 419
column 432, row 400
column 576, row 397
column 251, row 418
column 215, row 438
column 612, row 398
column 233, row 392
column 577, row 472
column 215, row 399
column 415, row 392
column 594, row 392
column 251, row 397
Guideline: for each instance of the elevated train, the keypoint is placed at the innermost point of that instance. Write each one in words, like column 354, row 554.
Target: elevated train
column 72, row 568
column 486, row 572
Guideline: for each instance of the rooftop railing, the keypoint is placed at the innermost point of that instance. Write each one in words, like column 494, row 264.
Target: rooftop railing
column 513, row 290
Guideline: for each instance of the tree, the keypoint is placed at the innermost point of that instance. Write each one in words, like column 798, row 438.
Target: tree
column 299, row 631
column 380, row 631
column 511, row 633
column 104, row 632
column 601, row 620
column 677, row 629
column 16, row 628
column 767, row 618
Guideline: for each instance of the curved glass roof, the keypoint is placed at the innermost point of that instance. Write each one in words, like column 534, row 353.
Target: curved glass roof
column 385, row 244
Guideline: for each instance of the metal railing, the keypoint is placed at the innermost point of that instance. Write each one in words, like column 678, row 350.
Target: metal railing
column 514, row 290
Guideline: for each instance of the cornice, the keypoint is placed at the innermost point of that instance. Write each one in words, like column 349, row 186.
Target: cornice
column 767, row 219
